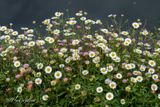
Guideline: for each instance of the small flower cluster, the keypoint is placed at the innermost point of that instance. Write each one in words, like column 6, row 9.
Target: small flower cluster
column 80, row 61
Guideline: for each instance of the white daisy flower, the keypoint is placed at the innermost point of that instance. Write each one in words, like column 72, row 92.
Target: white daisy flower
column 8, row 79
column 154, row 87
column 83, row 18
column 109, row 68
column 96, row 60
column 63, row 50
column 45, row 97
column 38, row 74
column 3, row 28
column 51, row 40
column 124, row 33
column 56, row 32
column 68, row 60
column 113, row 85
column 99, row 37
column 75, row 56
column 40, row 42
column 14, row 33
column 77, row 86
column 139, row 78
column 99, row 22
column 47, row 39
column 142, row 68
column 99, row 89
column 113, row 55
column 31, row 44
column 46, row 21
column 107, row 81
column 103, row 70
column 136, row 72
column 109, row 96
column 71, row 22
column 138, row 51
column 78, row 14
column 145, row 32
column 58, row 74
column 61, row 65
column 125, row 43
column 135, row 25
column 117, row 59
column 39, row 66
column 105, row 30
column 115, row 35
column 128, row 88
column 128, row 40
column 48, row 69
column 151, row 70
column 38, row 81
column 154, row 76
column 53, row 82
column 92, row 54
column 19, row 89
column 60, row 54
column 17, row 63
column 75, row 42
column 128, row 66
column 58, row 14
column 152, row 63
column 85, row 72
column 134, row 80
column 122, row 101
column 119, row 76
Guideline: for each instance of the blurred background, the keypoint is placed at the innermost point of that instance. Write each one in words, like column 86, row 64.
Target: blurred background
column 22, row 12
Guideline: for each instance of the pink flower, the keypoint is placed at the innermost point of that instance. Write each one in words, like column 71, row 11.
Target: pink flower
column 26, row 65
column 18, row 76
column 124, row 80
column 29, row 86
column 65, row 80
column 78, row 26
column 1, row 48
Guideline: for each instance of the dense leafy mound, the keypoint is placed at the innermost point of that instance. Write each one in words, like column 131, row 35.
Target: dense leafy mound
column 79, row 62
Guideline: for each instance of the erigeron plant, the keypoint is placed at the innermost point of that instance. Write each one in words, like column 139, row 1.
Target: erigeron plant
column 80, row 62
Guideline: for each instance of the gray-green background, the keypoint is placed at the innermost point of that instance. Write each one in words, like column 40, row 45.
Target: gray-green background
column 22, row 12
